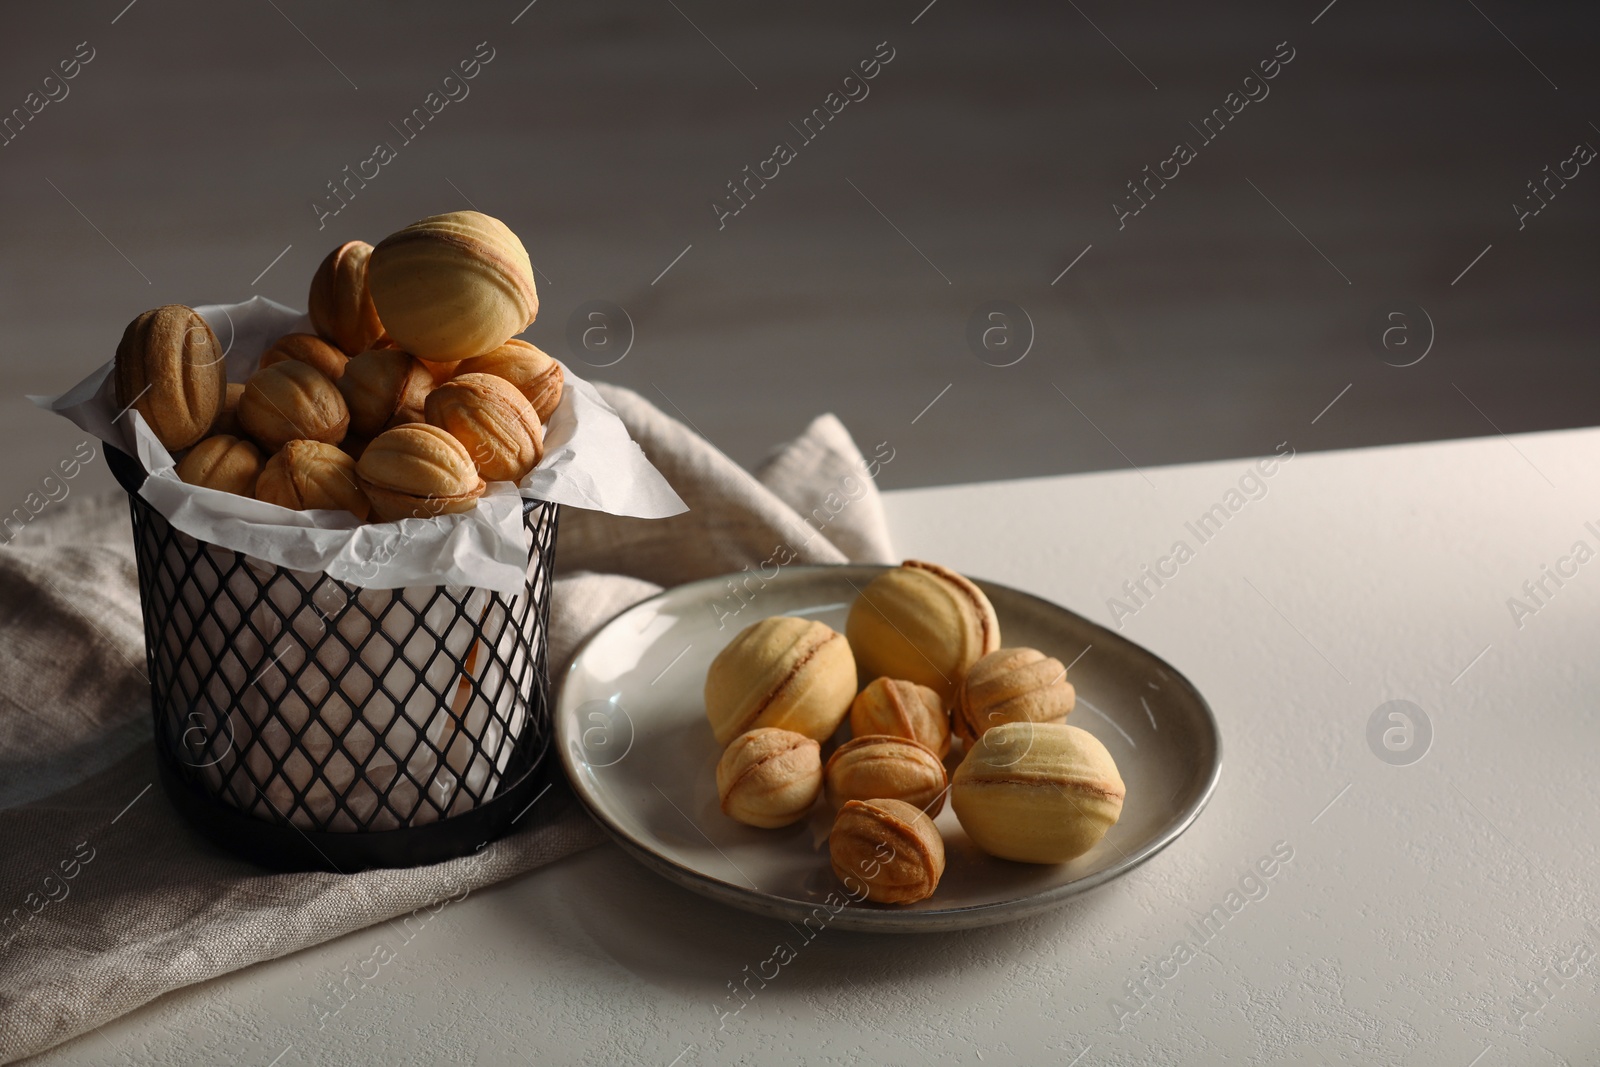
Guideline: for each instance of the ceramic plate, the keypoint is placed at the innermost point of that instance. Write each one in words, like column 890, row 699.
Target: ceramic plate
column 632, row 732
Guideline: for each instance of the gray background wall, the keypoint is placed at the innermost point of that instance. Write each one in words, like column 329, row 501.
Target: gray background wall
column 1219, row 321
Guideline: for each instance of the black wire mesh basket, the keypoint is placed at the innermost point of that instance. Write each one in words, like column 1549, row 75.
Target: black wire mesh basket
column 306, row 723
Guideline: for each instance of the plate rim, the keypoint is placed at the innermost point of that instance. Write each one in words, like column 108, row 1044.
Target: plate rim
column 874, row 919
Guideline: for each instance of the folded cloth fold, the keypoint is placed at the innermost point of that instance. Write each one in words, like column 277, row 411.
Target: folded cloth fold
column 108, row 899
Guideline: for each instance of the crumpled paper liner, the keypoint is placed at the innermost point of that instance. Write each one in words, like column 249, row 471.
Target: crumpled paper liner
column 590, row 462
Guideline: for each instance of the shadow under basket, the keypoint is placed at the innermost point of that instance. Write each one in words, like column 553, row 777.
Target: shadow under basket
column 309, row 724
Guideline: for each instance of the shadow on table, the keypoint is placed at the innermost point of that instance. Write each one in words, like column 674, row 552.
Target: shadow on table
column 696, row 948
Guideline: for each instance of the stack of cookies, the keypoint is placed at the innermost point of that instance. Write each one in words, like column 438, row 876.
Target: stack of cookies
column 410, row 397
column 925, row 641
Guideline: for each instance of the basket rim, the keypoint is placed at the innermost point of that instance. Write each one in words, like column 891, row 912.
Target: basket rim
column 131, row 476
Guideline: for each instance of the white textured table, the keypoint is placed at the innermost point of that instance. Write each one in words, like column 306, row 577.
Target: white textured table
column 1431, row 912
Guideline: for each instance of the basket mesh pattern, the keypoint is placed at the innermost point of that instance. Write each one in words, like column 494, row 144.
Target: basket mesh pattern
column 300, row 699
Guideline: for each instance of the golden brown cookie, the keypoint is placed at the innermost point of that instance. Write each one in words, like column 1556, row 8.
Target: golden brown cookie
column 169, row 369
column 452, row 286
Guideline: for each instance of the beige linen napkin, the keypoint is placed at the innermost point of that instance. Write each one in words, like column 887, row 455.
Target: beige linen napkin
column 112, row 900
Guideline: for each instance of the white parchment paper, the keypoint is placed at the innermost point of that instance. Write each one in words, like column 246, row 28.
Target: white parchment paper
column 589, row 462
